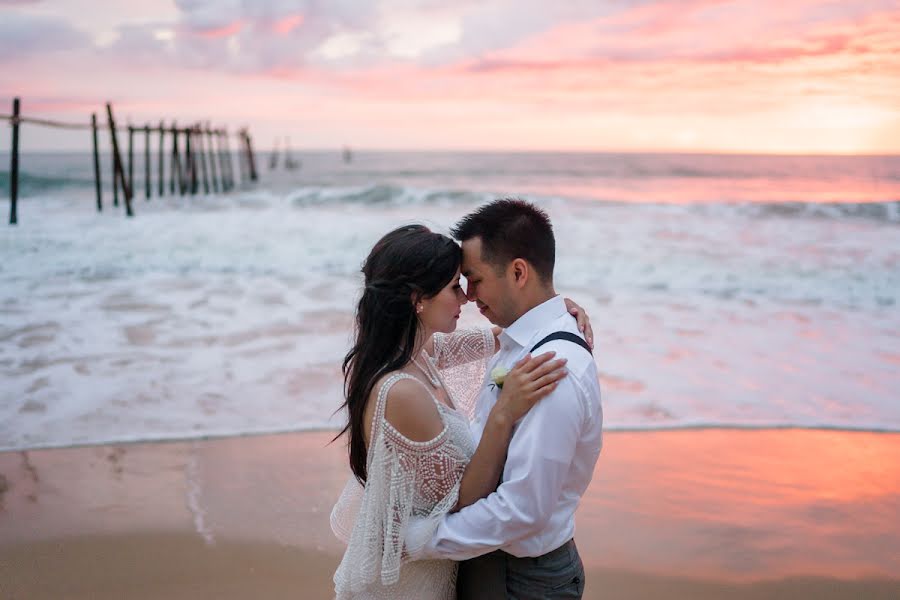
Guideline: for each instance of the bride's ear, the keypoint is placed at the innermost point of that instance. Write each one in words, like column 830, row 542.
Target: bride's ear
column 416, row 300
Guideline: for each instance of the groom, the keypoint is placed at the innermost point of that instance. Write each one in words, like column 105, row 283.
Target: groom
column 518, row 542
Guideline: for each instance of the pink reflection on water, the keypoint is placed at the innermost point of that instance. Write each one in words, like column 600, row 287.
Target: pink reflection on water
column 710, row 190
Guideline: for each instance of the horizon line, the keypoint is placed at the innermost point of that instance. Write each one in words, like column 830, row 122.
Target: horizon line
column 608, row 151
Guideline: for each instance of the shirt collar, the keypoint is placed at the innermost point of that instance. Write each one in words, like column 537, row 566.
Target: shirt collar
column 528, row 325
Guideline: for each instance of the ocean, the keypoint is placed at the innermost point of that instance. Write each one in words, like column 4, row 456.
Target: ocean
column 724, row 290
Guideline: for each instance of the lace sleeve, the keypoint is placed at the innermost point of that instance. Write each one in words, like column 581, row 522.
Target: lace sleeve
column 461, row 347
column 462, row 358
column 405, row 479
column 346, row 509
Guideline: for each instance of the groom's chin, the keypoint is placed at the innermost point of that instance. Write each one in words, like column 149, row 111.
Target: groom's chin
column 490, row 317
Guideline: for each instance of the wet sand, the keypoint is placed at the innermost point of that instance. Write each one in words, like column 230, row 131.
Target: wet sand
column 686, row 514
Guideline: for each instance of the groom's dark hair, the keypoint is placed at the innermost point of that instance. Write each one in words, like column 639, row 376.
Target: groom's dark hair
column 511, row 228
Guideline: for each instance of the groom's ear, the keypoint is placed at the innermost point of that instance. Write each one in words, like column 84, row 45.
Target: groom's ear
column 520, row 271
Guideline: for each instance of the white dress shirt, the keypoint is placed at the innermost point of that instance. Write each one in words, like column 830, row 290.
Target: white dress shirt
column 551, row 457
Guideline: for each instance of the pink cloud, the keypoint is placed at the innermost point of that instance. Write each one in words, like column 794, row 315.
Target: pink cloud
column 287, row 24
column 764, row 74
column 824, row 46
column 222, row 32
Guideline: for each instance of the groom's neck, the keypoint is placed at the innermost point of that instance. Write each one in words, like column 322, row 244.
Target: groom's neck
column 535, row 297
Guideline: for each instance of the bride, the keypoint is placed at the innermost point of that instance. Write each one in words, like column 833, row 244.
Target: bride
column 410, row 383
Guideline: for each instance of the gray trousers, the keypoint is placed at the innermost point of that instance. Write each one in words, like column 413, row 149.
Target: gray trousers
column 498, row 575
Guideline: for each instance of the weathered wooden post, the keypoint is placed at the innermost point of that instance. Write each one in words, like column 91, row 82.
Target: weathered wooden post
column 117, row 163
column 97, row 182
column 227, row 182
column 161, row 174
column 131, row 156
column 212, row 159
column 242, row 157
column 229, row 165
column 201, row 151
column 251, row 161
column 147, row 161
column 14, row 166
column 176, row 164
column 191, row 160
column 186, row 163
column 115, row 181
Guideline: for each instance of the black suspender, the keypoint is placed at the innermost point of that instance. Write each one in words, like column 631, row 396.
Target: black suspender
column 564, row 335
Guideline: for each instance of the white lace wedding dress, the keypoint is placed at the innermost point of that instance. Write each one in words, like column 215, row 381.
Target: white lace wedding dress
column 408, row 478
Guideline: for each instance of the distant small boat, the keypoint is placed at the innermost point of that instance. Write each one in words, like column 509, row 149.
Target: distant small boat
column 289, row 163
column 273, row 158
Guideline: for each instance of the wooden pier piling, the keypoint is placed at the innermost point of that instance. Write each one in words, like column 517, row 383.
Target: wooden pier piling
column 175, row 164
column 115, row 187
column 161, row 174
column 201, row 151
column 225, row 160
column 97, row 182
column 242, row 158
column 131, row 156
column 189, row 164
column 118, row 169
column 229, row 161
column 251, row 160
column 14, row 165
column 207, row 157
column 212, row 159
column 147, row 161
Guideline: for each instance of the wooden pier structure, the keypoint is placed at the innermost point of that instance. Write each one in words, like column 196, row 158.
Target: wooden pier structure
column 200, row 155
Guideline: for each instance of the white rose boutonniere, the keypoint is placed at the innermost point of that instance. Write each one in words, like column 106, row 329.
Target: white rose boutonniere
column 498, row 375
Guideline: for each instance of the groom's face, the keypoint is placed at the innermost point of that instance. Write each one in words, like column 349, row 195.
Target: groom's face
column 487, row 288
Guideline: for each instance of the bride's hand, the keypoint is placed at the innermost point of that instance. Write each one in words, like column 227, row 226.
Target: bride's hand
column 584, row 322
column 530, row 379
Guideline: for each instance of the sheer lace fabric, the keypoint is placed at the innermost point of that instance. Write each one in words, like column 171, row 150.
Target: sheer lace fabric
column 462, row 359
column 408, row 478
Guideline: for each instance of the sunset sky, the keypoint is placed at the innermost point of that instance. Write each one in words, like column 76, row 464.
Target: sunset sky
column 792, row 76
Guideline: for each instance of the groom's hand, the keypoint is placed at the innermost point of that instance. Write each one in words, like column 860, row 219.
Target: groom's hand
column 530, row 380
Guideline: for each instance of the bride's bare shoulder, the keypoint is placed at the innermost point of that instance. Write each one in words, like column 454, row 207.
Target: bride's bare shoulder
column 409, row 408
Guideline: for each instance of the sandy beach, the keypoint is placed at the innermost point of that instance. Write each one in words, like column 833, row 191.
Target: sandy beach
column 682, row 514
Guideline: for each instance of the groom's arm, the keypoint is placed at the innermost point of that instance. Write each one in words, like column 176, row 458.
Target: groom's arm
column 539, row 458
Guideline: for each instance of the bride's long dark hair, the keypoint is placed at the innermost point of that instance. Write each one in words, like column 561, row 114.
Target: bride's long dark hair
column 406, row 265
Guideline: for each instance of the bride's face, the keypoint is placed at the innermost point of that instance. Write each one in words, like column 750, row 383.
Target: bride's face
column 440, row 313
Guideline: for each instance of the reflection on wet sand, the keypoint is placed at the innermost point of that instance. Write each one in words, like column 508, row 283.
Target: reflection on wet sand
column 692, row 514
column 745, row 504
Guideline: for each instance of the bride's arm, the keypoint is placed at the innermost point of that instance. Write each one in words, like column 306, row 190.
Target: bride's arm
column 531, row 379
